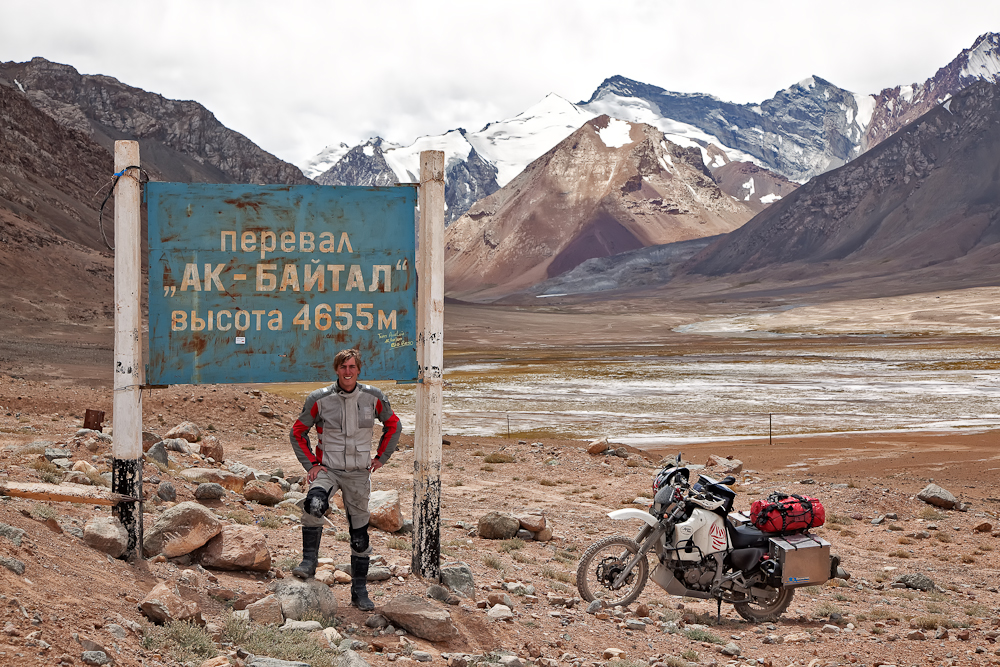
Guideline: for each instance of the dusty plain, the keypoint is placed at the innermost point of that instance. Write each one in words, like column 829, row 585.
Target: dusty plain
column 48, row 380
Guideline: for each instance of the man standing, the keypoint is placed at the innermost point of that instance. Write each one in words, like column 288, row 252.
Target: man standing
column 344, row 416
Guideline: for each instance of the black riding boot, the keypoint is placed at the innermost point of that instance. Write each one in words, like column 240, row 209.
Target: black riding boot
column 359, row 588
column 310, row 552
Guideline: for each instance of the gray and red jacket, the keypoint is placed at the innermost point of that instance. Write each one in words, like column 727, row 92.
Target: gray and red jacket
column 344, row 424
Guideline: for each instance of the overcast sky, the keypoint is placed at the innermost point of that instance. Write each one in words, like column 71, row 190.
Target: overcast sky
column 295, row 76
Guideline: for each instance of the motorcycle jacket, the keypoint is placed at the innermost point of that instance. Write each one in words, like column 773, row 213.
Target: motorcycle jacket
column 344, row 424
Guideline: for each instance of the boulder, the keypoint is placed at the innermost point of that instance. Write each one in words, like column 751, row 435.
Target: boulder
column 209, row 491
column 598, row 446
column 385, row 511
column 84, row 467
column 166, row 491
column 212, row 448
column 420, row 618
column 106, row 534
column 176, row 445
column 77, row 477
column 164, row 604
column 918, row 581
column 722, row 466
column 228, row 480
column 300, row 599
column 458, row 577
column 149, row 439
column 53, row 453
column 158, row 453
column 531, row 522
column 500, row 612
column 937, row 496
column 236, row 548
column 498, row 526
column 545, row 534
column 265, row 493
column 241, row 470
column 187, row 430
column 180, row 530
column 266, row 611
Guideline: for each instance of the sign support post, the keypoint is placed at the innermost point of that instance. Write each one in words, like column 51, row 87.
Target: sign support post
column 126, row 450
column 430, row 364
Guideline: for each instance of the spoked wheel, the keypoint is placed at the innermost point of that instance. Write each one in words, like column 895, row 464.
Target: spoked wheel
column 600, row 566
column 759, row 610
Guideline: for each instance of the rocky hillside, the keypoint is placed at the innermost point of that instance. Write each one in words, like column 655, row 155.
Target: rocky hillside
column 178, row 140
column 927, row 197
column 610, row 187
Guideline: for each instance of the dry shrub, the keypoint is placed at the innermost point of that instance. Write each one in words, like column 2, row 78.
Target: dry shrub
column 905, row 540
column 499, row 457
column 900, row 553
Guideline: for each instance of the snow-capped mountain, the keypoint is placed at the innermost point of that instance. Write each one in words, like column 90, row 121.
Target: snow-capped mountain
column 804, row 130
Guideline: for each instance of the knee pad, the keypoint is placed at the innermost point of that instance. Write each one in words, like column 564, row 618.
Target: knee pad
column 317, row 502
column 359, row 539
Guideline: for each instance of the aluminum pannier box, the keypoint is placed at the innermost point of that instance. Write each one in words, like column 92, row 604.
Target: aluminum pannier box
column 804, row 559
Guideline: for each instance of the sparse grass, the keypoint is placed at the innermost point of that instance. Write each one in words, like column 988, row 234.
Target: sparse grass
column 878, row 631
column 248, row 448
column 894, row 527
column 48, row 472
column 506, row 546
column 479, row 452
column 269, row 521
column 43, row 512
column 935, row 621
column 282, row 645
column 547, row 482
column 883, row 614
column 943, row 537
column 493, row 561
column 698, row 635
column 342, row 537
column 967, row 559
column 242, row 517
column 848, row 533
column 840, row 597
column 690, row 654
column 182, row 641
column 905, row 540
column 487, row 468
column 26, row 450
column 934, row 608
column 97, row 479
column 826, row 609
column 813, row 590
column 902, row 593
column 499, row 457
column 288, row 562
column 977, row 610
column 930, row 514
column 522, row 557
column 398, row 543
column 839, row 520
column 457, row 482
column 900, row 553
column 558, row 575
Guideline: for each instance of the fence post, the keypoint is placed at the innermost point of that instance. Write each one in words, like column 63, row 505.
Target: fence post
column 126, row 450
column 430, row 363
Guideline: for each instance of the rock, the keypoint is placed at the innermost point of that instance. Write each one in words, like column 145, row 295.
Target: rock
column 260, row 661
column 15, row 535
column 266, row 411
column 595, row 606
column 236, row 548
column 525, row 535
column 209, row 491
column 545, row 534
column 308, row 626
column 158, row 454
column 830, row 629
column 730, row 649
column 12, row 564
column 149, row 439
column 722, row 466
column 422, row 656
column 511, row 661
column 916, row 635
column 180, row 530
column 531, row 522
column 937, row 496
column 918, row 581
column 377, row 622
column 797, row 638
column 95, row 658
column 84, row 467
column 614, row 654
column 420, row 618
column 212, row 448
column 265, row 493
column 332, row 637
column 496, row 597
column 189, row 431
column 378, row 573
column 164, row 604
column 984, row 527
column 217, row 661
column 53, row 453
column 228, row 480
column 304, row 598
column 241, row 470
column 106, row 534
column 458, row 577
column 441, row 594
column 385, row 512
column 498, row 526
column 348, row 658
column 267, row 611
column 341, row 577
column 633, row 624
column 77, row 477
column 598, row 446
column 176, row 445
column 167, row 492
column 500, row 612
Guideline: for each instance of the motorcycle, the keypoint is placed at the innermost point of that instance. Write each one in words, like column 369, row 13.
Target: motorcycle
column 704, row 550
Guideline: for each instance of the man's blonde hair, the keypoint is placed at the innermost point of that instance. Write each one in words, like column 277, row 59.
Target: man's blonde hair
column 344, row 355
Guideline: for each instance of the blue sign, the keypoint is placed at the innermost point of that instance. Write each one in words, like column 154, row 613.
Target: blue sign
column 265, row 283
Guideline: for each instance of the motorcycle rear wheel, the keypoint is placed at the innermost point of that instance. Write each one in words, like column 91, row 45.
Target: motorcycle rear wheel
column 759, row 611
column 601, row 564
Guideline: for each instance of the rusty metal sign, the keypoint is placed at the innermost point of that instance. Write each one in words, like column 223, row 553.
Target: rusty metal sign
column 265, row 283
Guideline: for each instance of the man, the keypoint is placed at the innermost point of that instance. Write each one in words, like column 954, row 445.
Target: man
column 344, row 416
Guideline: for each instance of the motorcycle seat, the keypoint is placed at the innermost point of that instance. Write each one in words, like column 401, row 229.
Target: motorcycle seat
column 747, row 536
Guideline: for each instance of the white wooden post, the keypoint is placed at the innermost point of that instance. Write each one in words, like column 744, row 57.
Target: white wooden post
column 430, row 361
column 126, row 451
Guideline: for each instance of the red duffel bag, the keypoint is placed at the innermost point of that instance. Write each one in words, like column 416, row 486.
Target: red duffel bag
column 784, row 513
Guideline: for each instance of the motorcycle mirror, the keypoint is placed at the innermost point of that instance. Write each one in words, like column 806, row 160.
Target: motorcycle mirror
column 728, row 480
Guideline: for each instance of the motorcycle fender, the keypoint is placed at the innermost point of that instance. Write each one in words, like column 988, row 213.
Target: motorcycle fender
column 633, row 513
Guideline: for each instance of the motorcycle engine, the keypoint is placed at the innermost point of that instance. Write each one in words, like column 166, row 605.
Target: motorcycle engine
column 698, row 576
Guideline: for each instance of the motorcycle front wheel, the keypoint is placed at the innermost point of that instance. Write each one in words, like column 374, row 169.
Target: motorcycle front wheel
column 758, row 610
column 601, row 564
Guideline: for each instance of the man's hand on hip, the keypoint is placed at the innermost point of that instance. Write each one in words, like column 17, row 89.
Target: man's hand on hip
column 314, row 472
column 376, row 464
